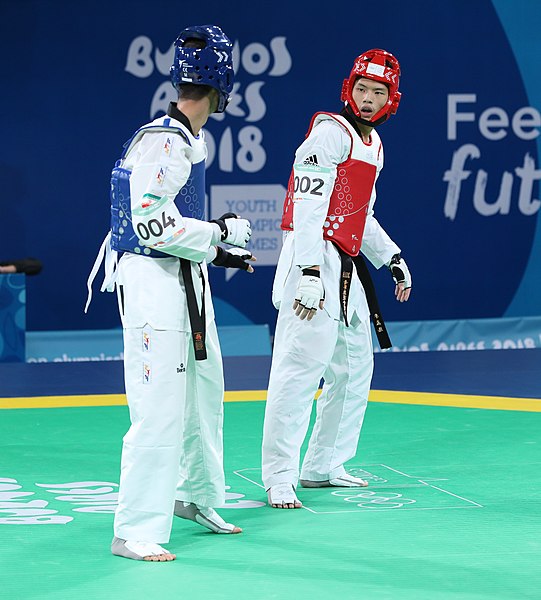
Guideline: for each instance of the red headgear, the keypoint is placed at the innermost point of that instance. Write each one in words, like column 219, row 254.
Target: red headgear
column 377, row 65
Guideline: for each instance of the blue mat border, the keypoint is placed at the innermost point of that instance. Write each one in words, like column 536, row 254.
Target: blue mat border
column 507, row 373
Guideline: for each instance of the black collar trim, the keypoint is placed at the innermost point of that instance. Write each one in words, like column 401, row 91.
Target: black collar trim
column 347, row 113
column 175, row 113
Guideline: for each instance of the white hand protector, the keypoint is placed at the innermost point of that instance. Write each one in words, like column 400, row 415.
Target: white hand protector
column 235, row 231
column 238, row 232
column 402, row 277
column 310, row 295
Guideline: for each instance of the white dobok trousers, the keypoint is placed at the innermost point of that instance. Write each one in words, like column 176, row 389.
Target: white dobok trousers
column 173, row 449
column 304, row 352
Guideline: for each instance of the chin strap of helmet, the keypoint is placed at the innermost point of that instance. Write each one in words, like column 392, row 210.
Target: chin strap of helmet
column 354, row 120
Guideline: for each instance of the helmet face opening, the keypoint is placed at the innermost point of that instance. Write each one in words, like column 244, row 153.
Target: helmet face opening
column 211, row 65
column 377, row 65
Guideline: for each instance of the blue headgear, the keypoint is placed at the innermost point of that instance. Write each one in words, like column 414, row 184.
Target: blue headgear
column 211, row 65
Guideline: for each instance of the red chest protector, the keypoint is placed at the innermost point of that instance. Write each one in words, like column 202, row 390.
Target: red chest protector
column 349, row 201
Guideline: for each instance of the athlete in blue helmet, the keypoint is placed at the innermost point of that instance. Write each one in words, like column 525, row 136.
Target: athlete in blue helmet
column 172, row 454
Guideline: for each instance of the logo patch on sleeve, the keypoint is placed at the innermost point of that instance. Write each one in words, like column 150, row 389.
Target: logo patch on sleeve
column 146, row 341
column 147, row 373
column 160, row 176
column 167, row 146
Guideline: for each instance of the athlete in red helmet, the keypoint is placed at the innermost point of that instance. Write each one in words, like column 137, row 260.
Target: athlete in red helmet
column 381, row 67
column 323, row 289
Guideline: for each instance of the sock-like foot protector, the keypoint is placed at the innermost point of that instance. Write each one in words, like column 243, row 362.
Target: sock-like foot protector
column 136, row 550
column 205, row 516
column 345, row 480
column 282, row 495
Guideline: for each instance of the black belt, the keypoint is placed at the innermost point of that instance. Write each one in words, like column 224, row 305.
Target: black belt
column 373, row 305
column 366, row 280
column 346, row 272
column 197, row 319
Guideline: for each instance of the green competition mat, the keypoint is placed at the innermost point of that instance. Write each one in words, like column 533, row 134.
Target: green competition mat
column 452, row 512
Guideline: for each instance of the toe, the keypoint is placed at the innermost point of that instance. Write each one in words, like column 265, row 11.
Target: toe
column 160, row 557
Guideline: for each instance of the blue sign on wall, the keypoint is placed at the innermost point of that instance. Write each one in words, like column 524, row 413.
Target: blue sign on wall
column 12, row 318
column 459, row 192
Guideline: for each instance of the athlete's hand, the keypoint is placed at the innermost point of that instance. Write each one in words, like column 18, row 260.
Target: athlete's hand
column 235, row 231
column 402, row 277
column 309, row 296
column 234, row 258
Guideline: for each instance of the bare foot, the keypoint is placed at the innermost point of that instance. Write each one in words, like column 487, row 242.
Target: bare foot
column 146, row 551
column 345, row 480
column 282, row 495
column 205, row 516
column 160, row 557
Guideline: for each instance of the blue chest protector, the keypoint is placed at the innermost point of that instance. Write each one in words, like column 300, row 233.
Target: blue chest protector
column 190, row 201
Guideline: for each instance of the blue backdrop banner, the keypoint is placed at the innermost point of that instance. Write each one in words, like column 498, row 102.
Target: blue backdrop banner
column 459, row 192
column 12, row 318
column 508, row 333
